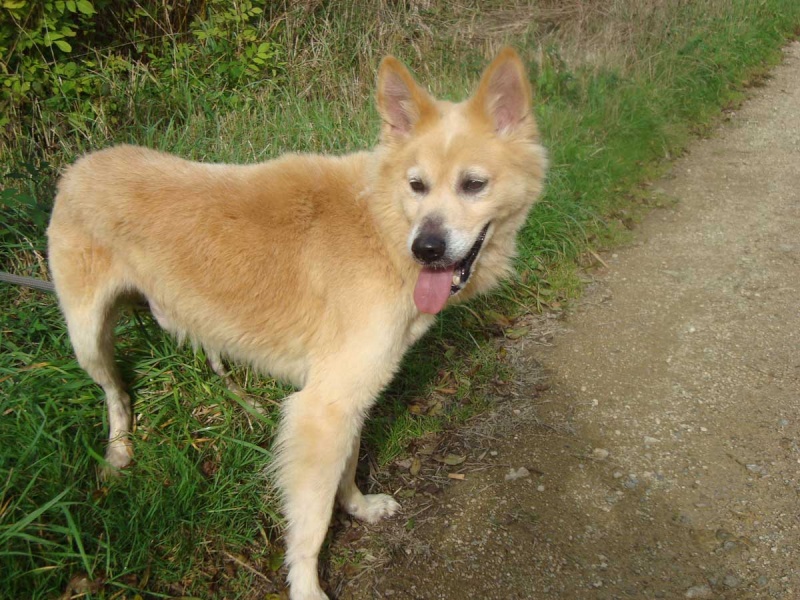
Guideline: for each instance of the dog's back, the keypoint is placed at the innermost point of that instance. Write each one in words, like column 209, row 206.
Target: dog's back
column 219, row 251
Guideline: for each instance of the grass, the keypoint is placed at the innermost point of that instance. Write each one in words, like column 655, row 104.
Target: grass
column 620, row 87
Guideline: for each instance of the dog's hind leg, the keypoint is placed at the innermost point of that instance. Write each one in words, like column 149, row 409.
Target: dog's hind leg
column 213, row 358
column 88, row 291
column 366, row 507
column 214, row 361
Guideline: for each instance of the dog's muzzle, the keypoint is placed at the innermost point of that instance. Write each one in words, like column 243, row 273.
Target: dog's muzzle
column 463, row 268
column 439, row 279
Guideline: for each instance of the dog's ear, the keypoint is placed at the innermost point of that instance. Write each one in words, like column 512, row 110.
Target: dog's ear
column 504, row 95
column 402, row 104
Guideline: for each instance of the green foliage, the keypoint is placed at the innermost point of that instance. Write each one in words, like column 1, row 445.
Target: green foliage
column 230, row 43
column 233, row 32
column 71, row 57
column 24, row 202
column 36, row 40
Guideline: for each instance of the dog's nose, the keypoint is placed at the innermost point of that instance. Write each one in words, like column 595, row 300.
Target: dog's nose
column 429, row 247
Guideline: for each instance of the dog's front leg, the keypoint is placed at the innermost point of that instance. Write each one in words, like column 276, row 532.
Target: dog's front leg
column 314, row 445
column 370, row 507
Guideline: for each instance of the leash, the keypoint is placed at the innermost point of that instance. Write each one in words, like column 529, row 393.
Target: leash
column 48, row 287
column 30, row 282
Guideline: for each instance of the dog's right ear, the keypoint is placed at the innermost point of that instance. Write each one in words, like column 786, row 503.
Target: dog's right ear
column 402, row 104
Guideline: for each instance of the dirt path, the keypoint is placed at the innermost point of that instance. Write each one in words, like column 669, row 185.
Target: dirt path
column 664, row 458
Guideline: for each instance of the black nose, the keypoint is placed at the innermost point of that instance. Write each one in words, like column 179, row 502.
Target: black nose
column 428, row 247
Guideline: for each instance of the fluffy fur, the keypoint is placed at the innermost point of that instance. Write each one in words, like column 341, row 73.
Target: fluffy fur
column 306, row 267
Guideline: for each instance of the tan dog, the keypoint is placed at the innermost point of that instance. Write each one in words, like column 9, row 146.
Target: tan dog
column 319, row 270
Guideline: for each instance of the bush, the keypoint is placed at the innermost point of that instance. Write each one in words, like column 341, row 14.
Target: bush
column 60, row 60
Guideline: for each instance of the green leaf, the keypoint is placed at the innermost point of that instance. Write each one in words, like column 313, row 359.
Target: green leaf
column 516, row 333
column 63, row 46
column 85, row 7
column 453, row 459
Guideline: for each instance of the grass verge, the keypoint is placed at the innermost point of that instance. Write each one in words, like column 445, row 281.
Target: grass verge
column 620, row 87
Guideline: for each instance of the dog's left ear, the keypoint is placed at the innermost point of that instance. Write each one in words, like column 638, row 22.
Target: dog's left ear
column 504, row 95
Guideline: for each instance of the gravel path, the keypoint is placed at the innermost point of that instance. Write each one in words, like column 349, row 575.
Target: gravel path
column 662, row 449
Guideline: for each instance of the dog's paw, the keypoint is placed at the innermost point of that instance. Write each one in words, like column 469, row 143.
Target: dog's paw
column 375, row 507
column 316, row 594
column 118, row 456
column 303, row 581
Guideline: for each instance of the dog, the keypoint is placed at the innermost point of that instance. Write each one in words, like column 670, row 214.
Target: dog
column 319, row 270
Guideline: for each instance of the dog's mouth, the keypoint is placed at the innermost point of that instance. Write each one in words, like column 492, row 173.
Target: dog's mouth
column 436, row 284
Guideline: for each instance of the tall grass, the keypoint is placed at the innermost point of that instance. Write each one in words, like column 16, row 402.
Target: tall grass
column 620, row 86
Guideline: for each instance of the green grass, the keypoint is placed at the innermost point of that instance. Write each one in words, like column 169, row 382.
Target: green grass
column 611, row 109
column 197, row 488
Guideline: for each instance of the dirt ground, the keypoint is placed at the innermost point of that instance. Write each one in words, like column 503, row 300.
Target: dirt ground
column 659, row 423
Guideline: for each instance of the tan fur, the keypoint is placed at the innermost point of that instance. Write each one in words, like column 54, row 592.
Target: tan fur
column 300, row 266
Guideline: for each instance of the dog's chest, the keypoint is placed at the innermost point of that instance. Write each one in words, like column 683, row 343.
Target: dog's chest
column 417, row 328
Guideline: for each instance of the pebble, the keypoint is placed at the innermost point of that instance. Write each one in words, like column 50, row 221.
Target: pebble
column 517, row 474
column 631, row 482
column 600, row 453
column 698, row 591
column 649, row 441
column 731, row 581
column 723, row 534
column 757, row 469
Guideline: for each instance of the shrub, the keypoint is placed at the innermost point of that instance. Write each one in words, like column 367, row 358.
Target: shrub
column 62, row 61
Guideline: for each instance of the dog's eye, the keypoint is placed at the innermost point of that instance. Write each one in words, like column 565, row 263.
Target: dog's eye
column 472, row 186
column 417, row 186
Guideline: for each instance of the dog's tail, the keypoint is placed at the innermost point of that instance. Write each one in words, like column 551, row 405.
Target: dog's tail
column 36, row 284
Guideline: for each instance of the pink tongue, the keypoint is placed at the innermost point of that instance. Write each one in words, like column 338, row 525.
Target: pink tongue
column 433, row 289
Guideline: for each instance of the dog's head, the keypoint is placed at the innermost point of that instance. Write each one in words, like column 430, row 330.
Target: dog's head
column 464, row 174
